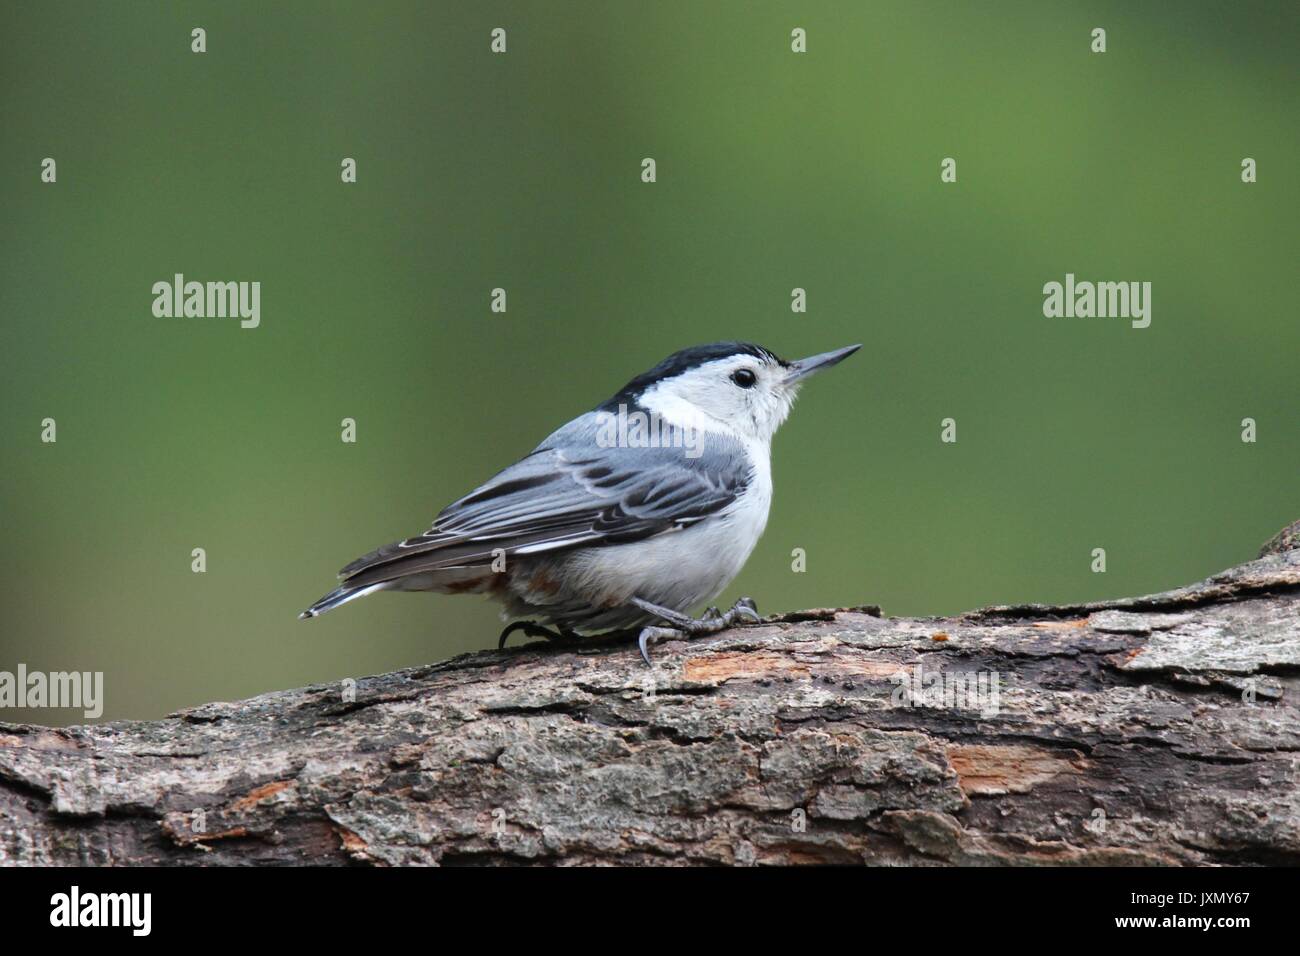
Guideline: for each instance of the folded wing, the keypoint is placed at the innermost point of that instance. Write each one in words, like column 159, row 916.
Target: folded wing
column 570, row 492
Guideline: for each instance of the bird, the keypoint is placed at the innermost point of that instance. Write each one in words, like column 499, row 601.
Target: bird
column 626, row 517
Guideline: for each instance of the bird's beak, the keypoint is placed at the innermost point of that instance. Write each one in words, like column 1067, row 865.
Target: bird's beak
column 815, row 363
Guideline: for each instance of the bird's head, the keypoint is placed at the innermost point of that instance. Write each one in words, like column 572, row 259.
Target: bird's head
column 731, row 387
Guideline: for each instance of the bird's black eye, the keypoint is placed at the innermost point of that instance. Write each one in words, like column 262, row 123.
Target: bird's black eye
column 743, row 377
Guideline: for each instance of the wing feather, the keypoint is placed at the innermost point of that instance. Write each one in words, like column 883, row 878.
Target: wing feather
column 569, row 492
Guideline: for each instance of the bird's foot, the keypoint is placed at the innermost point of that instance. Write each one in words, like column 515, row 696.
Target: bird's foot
column 531, row 629
column 683, row 625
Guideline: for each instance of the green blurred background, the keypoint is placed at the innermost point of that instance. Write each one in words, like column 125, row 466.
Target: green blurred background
column 522, row 170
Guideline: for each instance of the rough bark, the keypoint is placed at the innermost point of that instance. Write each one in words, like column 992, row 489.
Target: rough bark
column 1152, row 730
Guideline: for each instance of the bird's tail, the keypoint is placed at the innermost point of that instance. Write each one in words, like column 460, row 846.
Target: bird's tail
column 340, row 595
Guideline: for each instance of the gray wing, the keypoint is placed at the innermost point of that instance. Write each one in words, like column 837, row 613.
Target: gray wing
column 569, row 492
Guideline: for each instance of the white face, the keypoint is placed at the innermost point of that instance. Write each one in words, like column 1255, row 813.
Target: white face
column 741, row 394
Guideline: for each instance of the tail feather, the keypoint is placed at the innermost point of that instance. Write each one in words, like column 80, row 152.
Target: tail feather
column 340, row 595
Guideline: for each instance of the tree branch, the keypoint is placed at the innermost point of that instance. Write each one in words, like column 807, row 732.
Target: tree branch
column 1159, row 729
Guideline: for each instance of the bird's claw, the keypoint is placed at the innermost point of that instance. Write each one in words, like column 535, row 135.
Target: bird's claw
column 684, row 626
column 653, row 635
column 531, row 629
column 746, row 607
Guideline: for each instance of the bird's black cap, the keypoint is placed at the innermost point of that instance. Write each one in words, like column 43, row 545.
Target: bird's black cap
column 689, row 358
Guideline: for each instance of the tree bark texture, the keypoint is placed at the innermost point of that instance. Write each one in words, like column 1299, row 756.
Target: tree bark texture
column 1152, row 730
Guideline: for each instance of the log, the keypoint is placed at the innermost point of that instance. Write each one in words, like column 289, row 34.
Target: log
column 1152, row 730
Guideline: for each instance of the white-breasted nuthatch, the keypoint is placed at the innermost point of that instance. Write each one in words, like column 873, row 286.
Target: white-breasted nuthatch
column 629, row 515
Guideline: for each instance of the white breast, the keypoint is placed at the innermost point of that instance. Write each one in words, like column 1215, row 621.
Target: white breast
column 684, row 568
